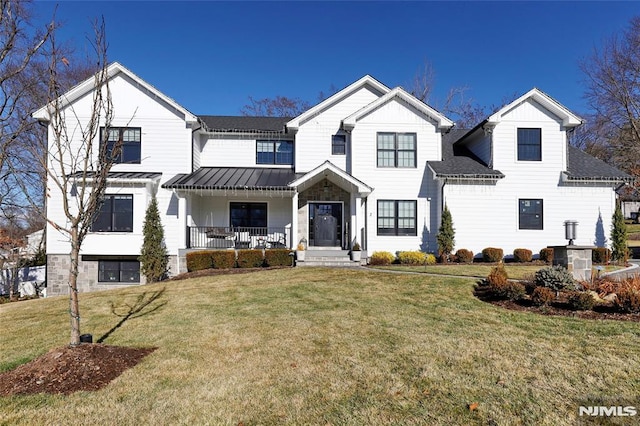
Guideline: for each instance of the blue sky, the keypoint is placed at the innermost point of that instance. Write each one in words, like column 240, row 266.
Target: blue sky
column 211, row 56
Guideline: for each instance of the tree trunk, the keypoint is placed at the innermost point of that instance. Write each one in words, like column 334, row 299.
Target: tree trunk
column 74, row 308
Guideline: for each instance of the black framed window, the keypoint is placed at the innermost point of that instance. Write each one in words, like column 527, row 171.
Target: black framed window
column 115, row 214
column 530, row 214
column 338, row 144
column 274, row 152
column 529, row 144
column 118, row 271
column 130, row 137
column 397, row 217
column 248, row 215
column 396, row 150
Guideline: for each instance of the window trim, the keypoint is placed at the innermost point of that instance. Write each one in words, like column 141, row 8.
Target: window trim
column 120, row 271
column 342, row 144
column 523, row 144
column 396, row 219
column 112, row 213
column 273, row 143
column 525, row 227
column 396, row 150
column 119, row 158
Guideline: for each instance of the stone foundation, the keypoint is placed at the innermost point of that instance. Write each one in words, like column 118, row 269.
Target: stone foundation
column 58, row 274
column 577, row 260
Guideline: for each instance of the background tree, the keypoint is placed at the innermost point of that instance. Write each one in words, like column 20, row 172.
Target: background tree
column 280, row 106
column 153, row 258
column 446, row 235
column 77, row 163
column 618, row 236
column 612, row 75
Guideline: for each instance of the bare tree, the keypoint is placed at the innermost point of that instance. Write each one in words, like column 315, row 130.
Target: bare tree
column 612, row 75
column 280, row 106
column 78, row 162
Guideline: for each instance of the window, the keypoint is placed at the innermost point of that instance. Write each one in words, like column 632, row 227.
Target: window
column 115, row 214
column 119, row 271
column 338, row 144
column 396, row 149
column 274, row 152
column 397, row 217
column 530, row 214
column 130, row 138
column 529, row 145
column 249, row 215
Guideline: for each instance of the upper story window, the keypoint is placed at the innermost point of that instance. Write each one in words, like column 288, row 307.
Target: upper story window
column 131, row 143
column 530, row 214
column 115, row 214
column 274, row 152
column 396, row 150
column 338, row 144
column 529, row 144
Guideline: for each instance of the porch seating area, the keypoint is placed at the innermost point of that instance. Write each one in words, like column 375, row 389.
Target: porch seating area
column 221, row 237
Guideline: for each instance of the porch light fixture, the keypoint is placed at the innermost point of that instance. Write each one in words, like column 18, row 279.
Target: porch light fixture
column 326, row 187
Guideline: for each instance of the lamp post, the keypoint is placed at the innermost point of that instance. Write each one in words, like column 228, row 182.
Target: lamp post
column 570, row 230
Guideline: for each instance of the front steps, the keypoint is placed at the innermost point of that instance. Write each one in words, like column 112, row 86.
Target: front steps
column 327, row 257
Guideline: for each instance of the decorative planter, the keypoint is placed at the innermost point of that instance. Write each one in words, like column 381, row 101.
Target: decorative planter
column 356, row 255
column 300, row 255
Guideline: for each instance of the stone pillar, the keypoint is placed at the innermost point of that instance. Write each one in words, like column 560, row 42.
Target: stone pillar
column 577, row 260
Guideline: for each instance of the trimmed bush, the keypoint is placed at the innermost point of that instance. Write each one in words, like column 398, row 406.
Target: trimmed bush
column 522, row 255
column 497, row 276
column 250, row 259
column 223, row 259
column 277, row 257
column 546, row 254
column 581, row 301
column 412, row 257
column 430, row 259
column 464, row 256
column 601, row 255
column 556, row 278
column 492, row 254
column 628, row 300
column 199, row 260
column 381, row 258
column 542, row 296
column 510, row 290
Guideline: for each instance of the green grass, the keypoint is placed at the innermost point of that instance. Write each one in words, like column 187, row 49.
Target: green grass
column 326, row 346
column 472, row 270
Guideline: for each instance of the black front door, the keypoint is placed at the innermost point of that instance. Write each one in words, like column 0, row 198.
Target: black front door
column 325, row 223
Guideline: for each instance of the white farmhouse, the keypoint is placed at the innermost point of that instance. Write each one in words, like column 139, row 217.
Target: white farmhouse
column 370, row 164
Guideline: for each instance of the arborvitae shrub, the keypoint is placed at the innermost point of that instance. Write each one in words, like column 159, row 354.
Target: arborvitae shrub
column 250, row 259
column 464, row 256
column 277, row 257
column 492, row 254
column 601, row 255
column 199, row 260
column 497, row 276
column 522, row 255
column 556, row 278
column 154, row 259
column 412, row 257
column 581, row 301
column 542, row 296
column 546, row 254
column 628, row 300
column 381, row 258
column 223, row 259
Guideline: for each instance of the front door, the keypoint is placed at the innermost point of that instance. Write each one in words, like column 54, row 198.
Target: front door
column 325, row 224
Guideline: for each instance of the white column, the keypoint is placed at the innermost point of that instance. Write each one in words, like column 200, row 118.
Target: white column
column 182, row 220
column 294, row 221
column 354, row 232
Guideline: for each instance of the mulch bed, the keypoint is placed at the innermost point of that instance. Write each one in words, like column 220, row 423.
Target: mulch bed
column 87, row 367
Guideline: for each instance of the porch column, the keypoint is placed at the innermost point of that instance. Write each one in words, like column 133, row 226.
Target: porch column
column 353, row 220
column 294, row 221
column 182, row 220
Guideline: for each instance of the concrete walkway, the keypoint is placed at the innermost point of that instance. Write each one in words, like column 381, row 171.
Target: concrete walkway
column 627, row 272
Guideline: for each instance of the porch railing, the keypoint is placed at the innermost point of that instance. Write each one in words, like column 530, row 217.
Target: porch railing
column 222, row 237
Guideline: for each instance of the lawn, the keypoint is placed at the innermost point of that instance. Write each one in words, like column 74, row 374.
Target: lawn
column 326, row 346
column 514, row 270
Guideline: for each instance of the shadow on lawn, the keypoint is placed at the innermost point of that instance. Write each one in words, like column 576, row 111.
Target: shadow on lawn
column 136, row 310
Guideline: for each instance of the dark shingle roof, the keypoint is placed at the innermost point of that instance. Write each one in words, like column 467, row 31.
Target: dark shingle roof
column 244, row 123
column 459, row 162
column 582, row 166
column 233, row 178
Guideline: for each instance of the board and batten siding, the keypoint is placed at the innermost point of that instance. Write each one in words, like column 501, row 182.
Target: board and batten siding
column 313, row 138
column 390, row 183
column 165, row 148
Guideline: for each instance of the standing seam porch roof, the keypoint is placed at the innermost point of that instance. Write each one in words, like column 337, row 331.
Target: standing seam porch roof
column 234, row 178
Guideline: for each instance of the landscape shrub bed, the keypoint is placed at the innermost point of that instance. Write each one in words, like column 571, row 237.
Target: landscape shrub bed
column 199, row 260
column 277, row 257
column 250, row 258
column 381, row 258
